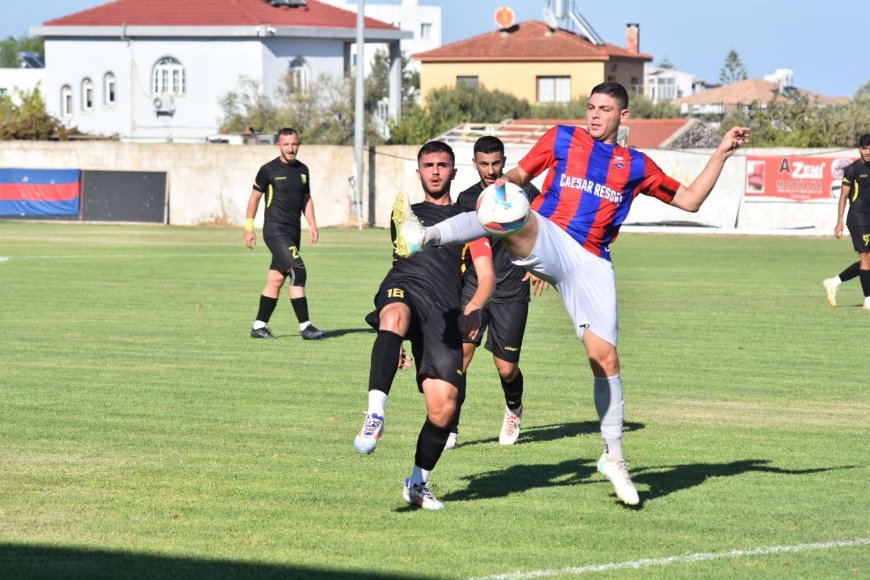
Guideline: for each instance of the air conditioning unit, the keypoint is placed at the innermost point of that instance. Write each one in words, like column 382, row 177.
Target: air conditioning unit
column 164, row 104
column 287, row 2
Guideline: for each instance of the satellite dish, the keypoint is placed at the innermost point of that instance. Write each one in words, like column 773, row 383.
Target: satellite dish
column 505, row 17
column 550, row 18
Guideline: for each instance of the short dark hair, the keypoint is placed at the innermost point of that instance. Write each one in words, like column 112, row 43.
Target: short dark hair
column 488, row 144
column 436, row 147
column 612, row 89
column 864, row 141
column 286, row 131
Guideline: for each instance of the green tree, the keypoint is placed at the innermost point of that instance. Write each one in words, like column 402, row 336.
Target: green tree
column 28, row 119
column 10, row 48
column 733, row 69
column 666, row 63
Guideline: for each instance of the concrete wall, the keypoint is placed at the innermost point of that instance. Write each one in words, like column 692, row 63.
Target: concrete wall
column 210, row 183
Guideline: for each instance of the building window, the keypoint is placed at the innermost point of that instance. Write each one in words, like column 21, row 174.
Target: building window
column 425, row 30
column 109, row 96
column 473, row 82
column 554, row 89
column 66, row 101
column 168, row 78
column 87, row 95
column 297, row 75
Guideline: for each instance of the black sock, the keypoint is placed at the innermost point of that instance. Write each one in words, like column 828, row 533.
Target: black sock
column 513, row 392
column 385, row 361
column 430, row 445
column 454, row 423
column 865, row 282
column 300, row 307
column 267, row 307
column 851, row 272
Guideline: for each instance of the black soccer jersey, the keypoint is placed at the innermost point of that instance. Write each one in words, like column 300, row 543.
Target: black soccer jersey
column 287, row 190
column 437, row 272
column 509, row 285
column 857, row 177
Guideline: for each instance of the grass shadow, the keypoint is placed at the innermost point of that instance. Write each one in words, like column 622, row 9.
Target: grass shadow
column 544, row 433
column 53, row 563
column 662, row 481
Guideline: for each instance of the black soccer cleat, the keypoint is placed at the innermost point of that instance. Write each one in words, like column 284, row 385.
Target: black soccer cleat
column 262, row 333
column 311, row 332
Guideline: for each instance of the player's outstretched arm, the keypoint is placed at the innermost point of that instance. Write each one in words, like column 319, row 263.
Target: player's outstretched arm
column 692, row 197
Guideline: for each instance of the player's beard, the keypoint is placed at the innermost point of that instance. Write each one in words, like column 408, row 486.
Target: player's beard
column 445, row 190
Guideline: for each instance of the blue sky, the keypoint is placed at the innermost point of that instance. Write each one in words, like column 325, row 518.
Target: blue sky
column 823, row 41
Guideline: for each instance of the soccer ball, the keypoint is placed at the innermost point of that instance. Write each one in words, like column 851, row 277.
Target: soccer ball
column 503, row 210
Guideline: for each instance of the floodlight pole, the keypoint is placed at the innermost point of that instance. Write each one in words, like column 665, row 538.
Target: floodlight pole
column 359, row 125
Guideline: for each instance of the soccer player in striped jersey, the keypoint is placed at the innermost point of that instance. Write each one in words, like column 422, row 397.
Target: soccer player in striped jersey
column 590, row 185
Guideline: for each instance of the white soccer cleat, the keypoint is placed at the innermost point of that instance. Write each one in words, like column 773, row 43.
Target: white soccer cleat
column 510, row 427
column 367, row 438
column 831, row 289
column 419, row 495
column 409, row 231
column 616, row 471
column 452, row 441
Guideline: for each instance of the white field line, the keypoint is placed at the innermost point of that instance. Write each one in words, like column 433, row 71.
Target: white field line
column 144, row 256
column 689, row 559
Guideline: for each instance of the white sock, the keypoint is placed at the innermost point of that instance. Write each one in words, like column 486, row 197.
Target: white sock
column 836, row 280
column 258, row 324
column 304, row 325
column 610, row 405
column 459, row 229
column 377, row 403
column 419, row 475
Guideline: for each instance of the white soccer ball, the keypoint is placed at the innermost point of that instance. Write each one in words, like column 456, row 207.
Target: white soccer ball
column 503, row 210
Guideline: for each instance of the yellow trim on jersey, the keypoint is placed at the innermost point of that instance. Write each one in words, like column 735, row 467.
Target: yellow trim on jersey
column 855, row 195
column 269, row 196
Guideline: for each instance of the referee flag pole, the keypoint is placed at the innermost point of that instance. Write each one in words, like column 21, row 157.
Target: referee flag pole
column 359, row 125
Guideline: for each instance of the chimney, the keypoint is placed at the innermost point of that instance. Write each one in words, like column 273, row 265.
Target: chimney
column 632, row 37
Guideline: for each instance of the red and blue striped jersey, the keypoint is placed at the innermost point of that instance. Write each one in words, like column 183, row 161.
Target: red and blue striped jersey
column 590, row 186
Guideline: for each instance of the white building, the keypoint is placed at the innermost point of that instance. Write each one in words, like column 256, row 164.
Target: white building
column 156, row 70
column 423, row 22
column 25, row 80
column 665, row 84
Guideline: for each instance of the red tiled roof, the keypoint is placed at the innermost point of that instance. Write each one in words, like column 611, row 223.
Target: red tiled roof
column 528, row 41
column 748, row 91
column 214, row 13
column 642, row 133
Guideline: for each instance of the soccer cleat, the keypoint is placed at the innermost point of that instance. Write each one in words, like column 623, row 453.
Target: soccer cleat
column 510, row 427
column 831, row 290
column 261, row 333
column 311, row 332
column 409, row 231
column 419, row 495
column 452, row 441
column 616, row 471
column 367, row 438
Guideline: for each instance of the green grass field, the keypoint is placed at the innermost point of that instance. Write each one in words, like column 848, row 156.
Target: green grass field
column 143, row 434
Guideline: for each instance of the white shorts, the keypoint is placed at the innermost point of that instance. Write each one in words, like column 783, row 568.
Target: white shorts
column 585, row 281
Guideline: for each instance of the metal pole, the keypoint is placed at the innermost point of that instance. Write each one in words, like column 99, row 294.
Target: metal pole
column 359, row 125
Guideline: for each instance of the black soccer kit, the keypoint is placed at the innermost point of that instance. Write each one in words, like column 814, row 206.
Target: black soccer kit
column 504, row 318
column 857, row 177
column 286, row 189
column 430, row 283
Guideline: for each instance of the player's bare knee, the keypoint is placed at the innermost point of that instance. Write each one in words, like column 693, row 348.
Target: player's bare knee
column 506, row 370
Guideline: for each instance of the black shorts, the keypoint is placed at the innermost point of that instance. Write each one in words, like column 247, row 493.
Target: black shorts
column 860, row 238
column 285, row 254
column 505, row 326
column 434, row 334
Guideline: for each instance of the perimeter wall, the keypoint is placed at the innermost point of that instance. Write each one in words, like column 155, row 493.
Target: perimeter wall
column 211, row 183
